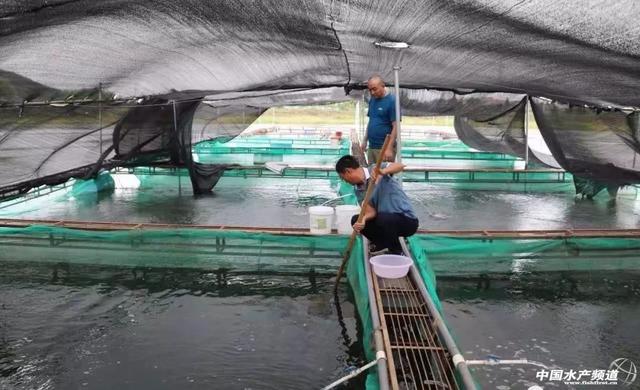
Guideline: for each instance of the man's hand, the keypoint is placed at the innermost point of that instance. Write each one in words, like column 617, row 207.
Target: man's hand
column 358, row 226
column 389, row 155
column 376, row 174
column 363, row 146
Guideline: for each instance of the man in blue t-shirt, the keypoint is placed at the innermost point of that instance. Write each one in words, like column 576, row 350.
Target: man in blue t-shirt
column 382, row 120
column 389, row 214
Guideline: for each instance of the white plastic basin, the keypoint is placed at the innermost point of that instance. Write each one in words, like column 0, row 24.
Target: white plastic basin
column 391, row 266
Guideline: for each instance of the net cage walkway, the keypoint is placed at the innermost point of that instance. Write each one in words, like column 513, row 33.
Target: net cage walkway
column 411, row 173
column 311, row 150
column 438, row 154
column 481, row 178
column 482, row 234
column 273, row 140
column 255, row 145
column 417, row 356
column 216, row 248
column 274, row 146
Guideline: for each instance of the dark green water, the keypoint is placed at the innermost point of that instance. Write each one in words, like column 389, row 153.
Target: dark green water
column 565, row 320
column 72, row 326
column 77, row 327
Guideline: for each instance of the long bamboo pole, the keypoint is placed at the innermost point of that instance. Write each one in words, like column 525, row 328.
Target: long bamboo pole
column 365, row 201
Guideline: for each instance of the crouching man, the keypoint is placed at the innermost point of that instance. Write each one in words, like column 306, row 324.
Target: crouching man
column 388, row 214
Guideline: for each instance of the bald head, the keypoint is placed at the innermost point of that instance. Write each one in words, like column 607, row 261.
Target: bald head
column 376, row 87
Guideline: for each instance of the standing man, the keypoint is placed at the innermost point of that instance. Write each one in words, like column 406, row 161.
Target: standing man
column 389, row 213
column 382, row 120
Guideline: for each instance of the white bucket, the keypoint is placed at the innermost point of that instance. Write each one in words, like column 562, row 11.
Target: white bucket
column 320, row 219
column 343, row 217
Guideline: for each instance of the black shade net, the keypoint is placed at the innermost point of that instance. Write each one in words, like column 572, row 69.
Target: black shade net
column 473, row 59
column 582, row 52
column 38, row 143
column 48, row 144
column 600, row 145
column 504, row 133
column 490, row 122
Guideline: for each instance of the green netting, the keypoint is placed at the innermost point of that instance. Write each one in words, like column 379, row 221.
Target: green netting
column 75, row 187
column 356, row 275
column 35, row 193
column 103, row 182
column 453, row 144
column 173, row 248
column 254, row 156
column 273, row 141
column 473, row 256
column 296, row 173
column 256, row 149
column 424, row 266
column 310, row 150
column 358, row 281
column 437, row 153
column 466, row 180
column 186, row 247
column 468, row 164
column 255, row 145
column 261, row 158
column 260, row 149
column 495, row 180
column 533, row 181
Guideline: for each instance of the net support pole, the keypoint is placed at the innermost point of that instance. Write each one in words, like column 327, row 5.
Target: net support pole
column 526, row 133
column 362, row 128
column 175, row 129
column 100, row 113
column 396, row 76
column 356, row 119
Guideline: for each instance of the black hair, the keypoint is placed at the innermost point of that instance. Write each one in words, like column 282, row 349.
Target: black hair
column 345, row 162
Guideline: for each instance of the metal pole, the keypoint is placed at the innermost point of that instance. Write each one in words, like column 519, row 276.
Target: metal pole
column 362, row 115
column 356, row 118
column 175, row 117
column 526, row 133
column 396, row 74
column 175, row 129
column 100, row 113
column 635, row 125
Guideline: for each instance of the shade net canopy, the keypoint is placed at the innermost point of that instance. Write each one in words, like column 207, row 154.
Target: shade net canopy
column 582, row 52
column 479, row 57
column 598, row 145
column 47, row 144
column 491, row 122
